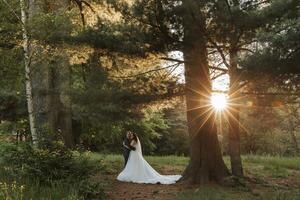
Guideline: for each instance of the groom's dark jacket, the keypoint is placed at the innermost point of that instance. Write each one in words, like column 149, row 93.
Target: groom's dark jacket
column 126, row 151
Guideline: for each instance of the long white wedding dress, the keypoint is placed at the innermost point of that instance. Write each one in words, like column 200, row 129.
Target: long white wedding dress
column 138, row 170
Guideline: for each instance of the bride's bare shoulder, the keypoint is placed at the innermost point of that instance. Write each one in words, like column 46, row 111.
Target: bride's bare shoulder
column 133, row 143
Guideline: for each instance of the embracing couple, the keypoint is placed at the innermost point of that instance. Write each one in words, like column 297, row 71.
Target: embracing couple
column 137, row 169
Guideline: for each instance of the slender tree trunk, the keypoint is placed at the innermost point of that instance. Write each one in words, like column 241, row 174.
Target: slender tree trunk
column 294, row 139
column 292, row 114
column 63, row 86
column 206, row 162
column 234, row 117
column 26, row 48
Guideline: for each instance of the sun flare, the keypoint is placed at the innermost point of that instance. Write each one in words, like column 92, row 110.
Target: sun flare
column 219, row 101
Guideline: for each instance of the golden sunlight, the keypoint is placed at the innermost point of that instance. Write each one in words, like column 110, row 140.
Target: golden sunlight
column 219, row 101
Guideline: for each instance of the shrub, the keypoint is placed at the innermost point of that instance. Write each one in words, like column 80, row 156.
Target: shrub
column 49, row 172
column 91, row 191
column 52, row 162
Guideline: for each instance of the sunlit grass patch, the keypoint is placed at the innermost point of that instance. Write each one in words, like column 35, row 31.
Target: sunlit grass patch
column 168, row 160
column 278, row 161
column 113, row 163
column 277, row 171
column 28, row 189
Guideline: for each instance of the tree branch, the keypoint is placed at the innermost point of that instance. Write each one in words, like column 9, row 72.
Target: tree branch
column 219, row 68
column 246, row 49
column 173, row 60
column 143, row 73
column 217, row 76
column 13, row 11
column 220, row 51
column 182, row 61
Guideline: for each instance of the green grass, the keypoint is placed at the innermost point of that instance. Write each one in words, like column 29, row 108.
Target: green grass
column 278, row 161
column 160, row 160
column 113, row 163
column 272, row 166
column 29, row 190
column 275, row 166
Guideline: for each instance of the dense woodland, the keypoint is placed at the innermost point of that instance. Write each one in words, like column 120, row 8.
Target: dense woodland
column 76, row 75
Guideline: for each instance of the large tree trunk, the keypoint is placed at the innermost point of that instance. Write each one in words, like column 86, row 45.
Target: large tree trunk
column 62, row 88
column 41, row 81
column 206, row 162
column 234, row 117
column 26, row 48
column 51, row 82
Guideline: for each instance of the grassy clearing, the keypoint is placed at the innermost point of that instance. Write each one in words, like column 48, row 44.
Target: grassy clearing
column 271, row 166
column 276, row 161
column 277, row 169
column 261, row 168
column 113, row 163
column 254, row 164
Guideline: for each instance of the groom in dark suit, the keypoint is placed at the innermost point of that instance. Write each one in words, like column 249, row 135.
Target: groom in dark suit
column 126, row 146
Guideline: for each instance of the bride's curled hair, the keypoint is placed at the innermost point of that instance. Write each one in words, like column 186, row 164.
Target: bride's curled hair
column 135, row 138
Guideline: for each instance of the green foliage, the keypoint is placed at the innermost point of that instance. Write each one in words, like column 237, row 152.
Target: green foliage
column 10, row 26
column 104, row 109
column 12, row 97
column 11, row 69
column 174, row 140
column 51, row 172
column 274, row 135
column 113, row 37
column 107, row 136
column 52, row 27
column 52, row 162
column 13, row 106
column 277, row 55
column 90, row 190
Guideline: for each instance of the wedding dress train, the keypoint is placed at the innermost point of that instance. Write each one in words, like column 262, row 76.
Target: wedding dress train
column 138, row 170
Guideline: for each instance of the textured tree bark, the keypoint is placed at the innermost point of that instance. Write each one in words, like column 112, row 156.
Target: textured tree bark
column 63, row 98
column 294, row 139
column 41, row 80
column 234, row 117
column 28, row 71
column 50, row 82
column 62, row 88
column 206, row 162
column 293, row 114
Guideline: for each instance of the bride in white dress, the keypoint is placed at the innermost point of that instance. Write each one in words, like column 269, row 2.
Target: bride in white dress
column 138, row 170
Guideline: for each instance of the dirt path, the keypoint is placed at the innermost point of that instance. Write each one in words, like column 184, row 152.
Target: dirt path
column 117, row 190
column 132, row 191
